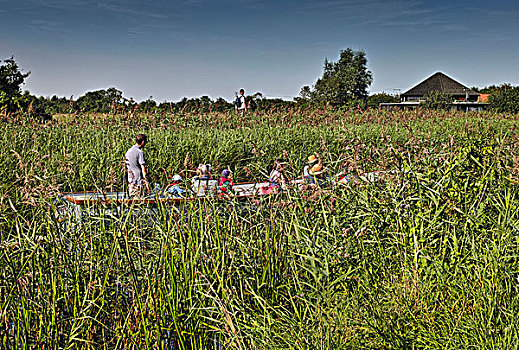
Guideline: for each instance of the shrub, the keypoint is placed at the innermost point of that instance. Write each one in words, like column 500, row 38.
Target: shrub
column 505, row 101
column 437, row 100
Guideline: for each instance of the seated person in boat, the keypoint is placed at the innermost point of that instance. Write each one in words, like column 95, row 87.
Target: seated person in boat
column 317, row 176
column 202, row 183
column 225, row 184
column 203, row 172
column 173, row 189
column 277, row 177
column 312, row 160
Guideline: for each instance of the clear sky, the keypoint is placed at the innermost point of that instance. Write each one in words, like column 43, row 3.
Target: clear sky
column 171, row 49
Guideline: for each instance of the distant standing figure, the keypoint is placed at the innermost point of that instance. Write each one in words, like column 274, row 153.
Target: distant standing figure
column 136, row 167
column 240, row 105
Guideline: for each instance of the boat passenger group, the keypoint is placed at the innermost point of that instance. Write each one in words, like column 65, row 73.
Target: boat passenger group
column 203, row 183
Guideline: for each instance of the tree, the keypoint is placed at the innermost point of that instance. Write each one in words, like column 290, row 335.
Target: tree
column 306, row 93
column 220, row 105
column 343, row 82
column 493, row 89
column 505, row 101
column 11, row 81
column 437, row 100
column 148, row 105
column 99, row 101
column 375, row 100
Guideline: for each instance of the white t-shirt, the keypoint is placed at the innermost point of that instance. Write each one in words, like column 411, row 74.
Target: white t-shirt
column 275, row 176
column 242, row 104
column 305, row 170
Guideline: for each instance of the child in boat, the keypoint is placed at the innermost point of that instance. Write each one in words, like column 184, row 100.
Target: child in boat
column 225, row 183
column 173, row 189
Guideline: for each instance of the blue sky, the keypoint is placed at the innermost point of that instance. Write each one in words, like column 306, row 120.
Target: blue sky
column 171, row 49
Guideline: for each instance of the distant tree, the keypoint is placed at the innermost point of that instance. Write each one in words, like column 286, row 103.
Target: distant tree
column 99, row 101
column 148, row 105
column 220, row 105
column 305, row 93
column 505, row 101
column 304, row 98
column 437, row 100
column 57, row 105
column 256, row 101
column 167, row 107
column 492, row 89
column 205, row 104
column 343, row 82
column 11, row 81
column 375, row 100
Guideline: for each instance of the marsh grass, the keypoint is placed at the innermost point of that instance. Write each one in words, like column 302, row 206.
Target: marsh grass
column 425, row 258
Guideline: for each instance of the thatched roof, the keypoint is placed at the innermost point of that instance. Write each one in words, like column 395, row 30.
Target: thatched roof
column 439, row 82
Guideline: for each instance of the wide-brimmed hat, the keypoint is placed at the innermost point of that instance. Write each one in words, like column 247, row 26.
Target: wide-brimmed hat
column 176, row 178
column 316, row 169
column 312, row 159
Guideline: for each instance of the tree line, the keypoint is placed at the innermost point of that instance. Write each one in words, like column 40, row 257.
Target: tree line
column 343, row 84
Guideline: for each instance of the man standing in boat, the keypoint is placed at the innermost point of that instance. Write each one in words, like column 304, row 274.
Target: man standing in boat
column 137, row 167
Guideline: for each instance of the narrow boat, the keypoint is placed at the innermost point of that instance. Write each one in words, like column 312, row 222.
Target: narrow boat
column 74, row 205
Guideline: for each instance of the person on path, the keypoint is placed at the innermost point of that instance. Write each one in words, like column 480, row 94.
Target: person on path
column 240, row 104
column 136, row 167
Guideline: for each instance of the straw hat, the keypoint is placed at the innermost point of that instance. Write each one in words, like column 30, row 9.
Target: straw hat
column 316, row 170
column 312, row 159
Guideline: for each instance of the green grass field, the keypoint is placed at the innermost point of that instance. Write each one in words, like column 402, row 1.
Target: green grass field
column 425, row 258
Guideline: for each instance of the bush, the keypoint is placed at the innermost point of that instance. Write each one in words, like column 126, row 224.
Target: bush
column 375, row 100
column 437, row 100
column 505, row 101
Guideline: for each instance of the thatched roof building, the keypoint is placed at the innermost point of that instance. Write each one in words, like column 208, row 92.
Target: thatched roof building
column 463, row 98
column 443, row 83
